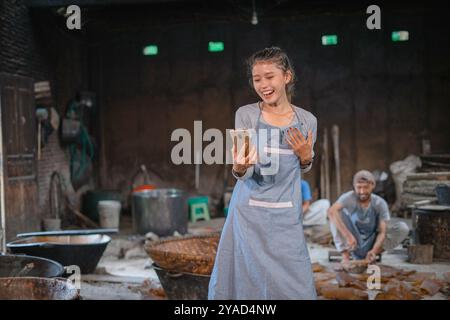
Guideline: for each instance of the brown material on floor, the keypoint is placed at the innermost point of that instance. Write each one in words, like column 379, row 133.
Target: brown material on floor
column 346, row 280
column 397, row 290
column 324, row 276
column 356, row 266
column 431, row 287
column 317, row 267
column 151, row 288
column 337, row 293
column 417, row 278
column 396, row 284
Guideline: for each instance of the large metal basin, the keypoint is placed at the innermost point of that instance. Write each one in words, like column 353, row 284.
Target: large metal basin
column 31, row 288
column 161, row 211
column 27, row 266
column 84, row 251
column 183, row 285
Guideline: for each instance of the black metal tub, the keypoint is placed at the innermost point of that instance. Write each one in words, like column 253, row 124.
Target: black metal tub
column 182, row 285
column 82, row 250
column 28, row 266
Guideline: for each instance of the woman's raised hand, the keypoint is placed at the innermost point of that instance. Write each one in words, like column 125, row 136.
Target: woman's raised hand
column 302, row 146
column 241, row 161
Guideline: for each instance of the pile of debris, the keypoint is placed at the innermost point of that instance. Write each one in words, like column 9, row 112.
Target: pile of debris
column 435, row 162
column 395, row 284
column 422, row 186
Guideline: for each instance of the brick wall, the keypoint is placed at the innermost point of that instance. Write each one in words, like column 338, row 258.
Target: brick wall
column 53, row 158
column 20, row 52
column 28, row 47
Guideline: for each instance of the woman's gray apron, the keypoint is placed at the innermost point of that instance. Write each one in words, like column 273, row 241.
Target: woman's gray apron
column 262, row 253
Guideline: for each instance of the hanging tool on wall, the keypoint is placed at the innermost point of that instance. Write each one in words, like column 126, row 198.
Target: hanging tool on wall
column 337, row 158
column 44, row 101
column 41, row 115
column 74, row 132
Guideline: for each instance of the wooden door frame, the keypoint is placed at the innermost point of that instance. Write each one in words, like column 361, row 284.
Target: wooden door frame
column 2, row 188
column 7, row 181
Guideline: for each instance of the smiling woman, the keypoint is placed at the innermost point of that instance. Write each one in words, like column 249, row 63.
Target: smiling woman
column 262, row 252
column 272, row 76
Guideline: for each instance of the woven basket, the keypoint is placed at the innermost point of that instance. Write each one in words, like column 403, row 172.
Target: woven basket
column 190, row 254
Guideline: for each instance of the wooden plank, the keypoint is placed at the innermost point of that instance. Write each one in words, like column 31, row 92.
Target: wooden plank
column 410, row 198
column 21, row 208
column 441, row 176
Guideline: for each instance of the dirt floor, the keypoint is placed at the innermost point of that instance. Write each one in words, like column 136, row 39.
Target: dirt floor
column 125, row 271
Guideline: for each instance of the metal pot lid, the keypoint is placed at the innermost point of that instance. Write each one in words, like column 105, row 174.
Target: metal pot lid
column 68, row 232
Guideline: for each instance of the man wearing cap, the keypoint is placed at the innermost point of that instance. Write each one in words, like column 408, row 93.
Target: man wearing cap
column 359, row 222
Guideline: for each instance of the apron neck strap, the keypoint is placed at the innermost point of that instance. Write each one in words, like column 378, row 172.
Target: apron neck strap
column 260, row 113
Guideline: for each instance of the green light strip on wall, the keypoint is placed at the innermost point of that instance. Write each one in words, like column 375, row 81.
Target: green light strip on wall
column 150, row 50
column 329, row 40
column 400, row 36
column 215, row 46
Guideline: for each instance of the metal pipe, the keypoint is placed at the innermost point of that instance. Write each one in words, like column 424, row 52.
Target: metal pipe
column 2, row 188
column 337, row 158
column 197, row 169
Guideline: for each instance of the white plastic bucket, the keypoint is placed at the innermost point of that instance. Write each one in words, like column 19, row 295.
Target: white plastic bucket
column 109, row 213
